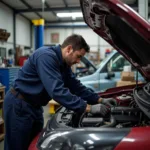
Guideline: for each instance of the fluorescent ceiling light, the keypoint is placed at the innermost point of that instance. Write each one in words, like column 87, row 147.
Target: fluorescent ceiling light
column 71, row 14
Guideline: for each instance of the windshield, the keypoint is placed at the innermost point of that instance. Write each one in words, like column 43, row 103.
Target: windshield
column 105, row 59
column 101, row 63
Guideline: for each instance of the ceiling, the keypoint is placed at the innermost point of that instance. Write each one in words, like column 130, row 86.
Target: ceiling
column 34, row 9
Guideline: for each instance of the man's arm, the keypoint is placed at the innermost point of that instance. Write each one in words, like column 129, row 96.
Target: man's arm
column 79, row 89
column 49, row 73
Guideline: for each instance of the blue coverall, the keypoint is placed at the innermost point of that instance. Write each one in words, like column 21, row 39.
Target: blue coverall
column 44, row 76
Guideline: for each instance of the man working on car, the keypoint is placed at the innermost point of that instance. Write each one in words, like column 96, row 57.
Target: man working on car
column 47, row 75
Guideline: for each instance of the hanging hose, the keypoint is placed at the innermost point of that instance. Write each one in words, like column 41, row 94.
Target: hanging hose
column 111, row 124
column 81, row 118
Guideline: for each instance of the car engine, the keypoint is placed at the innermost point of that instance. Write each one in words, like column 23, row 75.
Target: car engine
column 118, row 117
column 126, row 114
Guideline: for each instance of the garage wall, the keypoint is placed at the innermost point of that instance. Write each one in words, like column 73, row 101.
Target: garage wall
column 6, row 22
column 96, row 43
column 22, row 31
column 22, row 28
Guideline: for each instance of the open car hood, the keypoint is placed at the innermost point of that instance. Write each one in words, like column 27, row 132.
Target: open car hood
column 121, row 27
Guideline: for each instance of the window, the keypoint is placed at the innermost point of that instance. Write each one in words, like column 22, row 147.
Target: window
column 116, row 64
column 119, row 63
column 85, row 67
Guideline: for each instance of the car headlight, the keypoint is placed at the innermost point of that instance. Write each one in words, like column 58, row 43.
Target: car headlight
column 59, row 141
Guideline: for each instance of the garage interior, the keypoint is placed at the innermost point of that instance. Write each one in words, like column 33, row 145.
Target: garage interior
column 20, row 37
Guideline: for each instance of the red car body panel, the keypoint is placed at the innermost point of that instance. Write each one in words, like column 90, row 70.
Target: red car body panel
column 137, row 139
column 112, row 92
column 33, row 143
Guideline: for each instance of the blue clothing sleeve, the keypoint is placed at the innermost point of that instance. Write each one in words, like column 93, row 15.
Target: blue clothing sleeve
column 80, row 90
column 49, row 72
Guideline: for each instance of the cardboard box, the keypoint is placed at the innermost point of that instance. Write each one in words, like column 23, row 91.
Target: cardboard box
column 125, row 83
column 127, row 76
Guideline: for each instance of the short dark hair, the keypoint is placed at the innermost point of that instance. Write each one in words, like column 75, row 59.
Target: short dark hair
column 77, row 42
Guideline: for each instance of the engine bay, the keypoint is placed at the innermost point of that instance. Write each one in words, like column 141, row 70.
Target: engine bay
column 127, row 113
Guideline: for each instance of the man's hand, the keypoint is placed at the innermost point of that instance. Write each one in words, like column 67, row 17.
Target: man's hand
column 97, row 109
column 109, row 101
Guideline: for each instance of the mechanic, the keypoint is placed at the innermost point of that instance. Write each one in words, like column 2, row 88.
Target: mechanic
column 47, row 75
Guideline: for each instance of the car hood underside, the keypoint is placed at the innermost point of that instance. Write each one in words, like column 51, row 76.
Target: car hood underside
column 123, row 28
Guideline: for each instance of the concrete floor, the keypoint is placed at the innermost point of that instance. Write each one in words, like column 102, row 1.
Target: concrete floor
column 46, row 117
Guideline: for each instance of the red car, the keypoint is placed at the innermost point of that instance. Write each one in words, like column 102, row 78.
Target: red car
column 127, row 126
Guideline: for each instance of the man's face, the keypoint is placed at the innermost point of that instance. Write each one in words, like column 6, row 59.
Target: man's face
column 74, row 57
